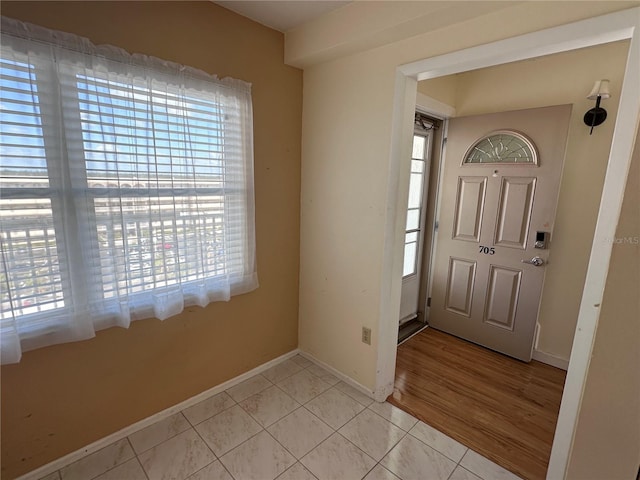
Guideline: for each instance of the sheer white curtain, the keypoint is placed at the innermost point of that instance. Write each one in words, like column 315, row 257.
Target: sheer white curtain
column 126, row 188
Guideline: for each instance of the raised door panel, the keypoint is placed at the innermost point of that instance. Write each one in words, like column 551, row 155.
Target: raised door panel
column 470, row 200
column 502, row 297
column 460, row 281
column 514, row 211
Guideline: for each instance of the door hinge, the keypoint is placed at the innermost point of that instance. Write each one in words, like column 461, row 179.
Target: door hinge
column 429, row 302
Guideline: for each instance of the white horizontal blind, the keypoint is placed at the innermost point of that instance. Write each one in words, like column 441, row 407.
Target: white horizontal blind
column 126, row 188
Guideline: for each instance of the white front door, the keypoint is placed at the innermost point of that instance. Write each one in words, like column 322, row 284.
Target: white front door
column 499, row 194
column 414, row 232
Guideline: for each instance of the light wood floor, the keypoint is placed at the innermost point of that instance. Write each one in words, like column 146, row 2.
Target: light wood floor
column 500, row 407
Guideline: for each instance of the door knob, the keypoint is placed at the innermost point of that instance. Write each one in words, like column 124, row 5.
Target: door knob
column 535, row 261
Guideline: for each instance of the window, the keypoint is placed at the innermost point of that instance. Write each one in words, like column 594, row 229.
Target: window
column 415, row 204
column 126, row 188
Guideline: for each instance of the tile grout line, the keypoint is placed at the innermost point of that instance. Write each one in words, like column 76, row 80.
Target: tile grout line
column 141, row 467
column 334, row 431
column 225, row 469
column 442, row 453
column 316, row 416
column 300, row 406
column 287, row 394
column 259, row 391
column 387, row 453
column 217, row 459
column 193, row 425
column 391, row 422
column 135, row 455
column 297, row 460
column 433, row 448
column 235, row 403
column 406, row 432
column 168, row 438
column 108, row 469
column 243, row 442
column 264, row 428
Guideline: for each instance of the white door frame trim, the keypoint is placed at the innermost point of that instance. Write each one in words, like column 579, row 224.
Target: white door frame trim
column 594, row 31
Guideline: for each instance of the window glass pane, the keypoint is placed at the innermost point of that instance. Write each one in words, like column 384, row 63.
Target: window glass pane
column 23, row 162
column 30, row 273
column 136, row 136
column 30, row 279
column 415, row 190
column 413, row 219
column 417, row 166
column 409, row 259
column 411, row 237
column 156, row 249
column 137, row 139
column 418, row 147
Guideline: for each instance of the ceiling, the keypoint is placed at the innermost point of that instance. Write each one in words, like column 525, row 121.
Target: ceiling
column 282, row 15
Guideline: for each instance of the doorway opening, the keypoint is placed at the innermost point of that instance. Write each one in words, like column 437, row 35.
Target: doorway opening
column 497, row 189
column 480, row 398
column 553, row 41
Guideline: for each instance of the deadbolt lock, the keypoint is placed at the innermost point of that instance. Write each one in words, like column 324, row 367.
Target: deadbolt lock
column 542, row 240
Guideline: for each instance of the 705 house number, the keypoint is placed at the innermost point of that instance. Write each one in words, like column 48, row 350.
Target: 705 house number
column 487, row 250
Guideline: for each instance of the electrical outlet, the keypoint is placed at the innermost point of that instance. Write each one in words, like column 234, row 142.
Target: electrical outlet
column 366, row 335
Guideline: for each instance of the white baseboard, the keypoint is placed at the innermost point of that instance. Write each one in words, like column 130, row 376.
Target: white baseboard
column 550, row 359
column 348, row 380
column 61, row 462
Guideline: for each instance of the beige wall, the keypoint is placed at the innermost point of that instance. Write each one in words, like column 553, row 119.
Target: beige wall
column 607, row 441
column 360, row 26
column 61, row 398
column 348, row 107
column 443, row 89
column 564, row 78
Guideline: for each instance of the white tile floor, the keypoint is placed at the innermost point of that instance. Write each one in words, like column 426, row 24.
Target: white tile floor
column 295, row 421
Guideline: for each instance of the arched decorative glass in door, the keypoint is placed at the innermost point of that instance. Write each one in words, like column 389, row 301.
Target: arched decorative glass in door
column 503, row 147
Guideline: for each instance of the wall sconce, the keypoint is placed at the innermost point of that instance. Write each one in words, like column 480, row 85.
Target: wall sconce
column 597, row 115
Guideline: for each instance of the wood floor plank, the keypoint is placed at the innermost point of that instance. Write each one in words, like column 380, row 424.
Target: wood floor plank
column 502, row 408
